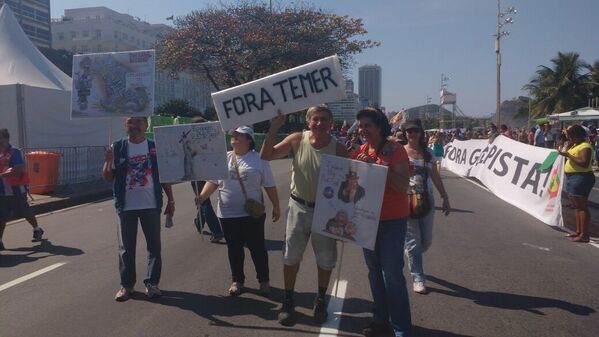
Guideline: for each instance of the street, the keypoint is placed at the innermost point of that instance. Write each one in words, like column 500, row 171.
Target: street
column 492, row 271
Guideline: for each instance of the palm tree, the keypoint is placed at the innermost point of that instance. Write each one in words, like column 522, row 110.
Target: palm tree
column 563, row 87
column 593, row 80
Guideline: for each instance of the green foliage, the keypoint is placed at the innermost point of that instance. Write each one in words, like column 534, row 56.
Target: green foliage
column 210, row 114
column 565, row 86
column 61, row 58
column 231, row 45
column 176, row 107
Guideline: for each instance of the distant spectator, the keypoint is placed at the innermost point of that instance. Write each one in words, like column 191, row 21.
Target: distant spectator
column 550, row 137
column 531, row 136
column 539, row 139
column 505, row 131
column 522, row 136
column 492, row 132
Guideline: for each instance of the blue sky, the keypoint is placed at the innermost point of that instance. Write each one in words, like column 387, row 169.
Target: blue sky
column 423, row 38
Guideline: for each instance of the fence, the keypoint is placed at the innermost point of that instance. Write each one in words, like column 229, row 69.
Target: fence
column 77, row 164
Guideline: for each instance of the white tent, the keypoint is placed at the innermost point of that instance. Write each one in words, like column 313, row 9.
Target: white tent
column 587, row 113
column 35, row 97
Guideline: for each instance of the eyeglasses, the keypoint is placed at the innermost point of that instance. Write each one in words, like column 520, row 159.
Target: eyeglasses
column 413, row 130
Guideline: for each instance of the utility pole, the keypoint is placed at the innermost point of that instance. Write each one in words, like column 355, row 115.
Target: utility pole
column 502, row 20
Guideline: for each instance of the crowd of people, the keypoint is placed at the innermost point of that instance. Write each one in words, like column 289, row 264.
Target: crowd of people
column 406, row 219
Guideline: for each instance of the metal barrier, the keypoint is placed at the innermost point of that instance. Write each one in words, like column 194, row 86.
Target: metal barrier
column 77, row 164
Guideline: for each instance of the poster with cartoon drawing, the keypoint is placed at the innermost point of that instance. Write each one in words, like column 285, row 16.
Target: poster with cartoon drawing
column 113, row 84
column 191, row 152
column 349, row 199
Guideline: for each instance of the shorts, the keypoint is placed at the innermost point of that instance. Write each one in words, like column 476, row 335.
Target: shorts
column 14, row 207
column 580, row 184
column 297, row 234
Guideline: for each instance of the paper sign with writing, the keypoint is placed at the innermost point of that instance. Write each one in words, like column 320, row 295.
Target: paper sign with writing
column 190, row 152
column 348, row 200
column 289, row 91
column 113, row 84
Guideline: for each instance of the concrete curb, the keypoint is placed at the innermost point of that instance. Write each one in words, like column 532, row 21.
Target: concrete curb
column 78, row 199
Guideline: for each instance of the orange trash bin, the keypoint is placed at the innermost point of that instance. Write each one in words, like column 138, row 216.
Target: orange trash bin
column 42, row 168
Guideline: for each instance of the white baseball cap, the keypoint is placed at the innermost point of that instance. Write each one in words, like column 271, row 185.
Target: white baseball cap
column 246, row 130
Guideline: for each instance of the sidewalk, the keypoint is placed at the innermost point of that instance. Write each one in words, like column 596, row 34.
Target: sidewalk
column 70, row 195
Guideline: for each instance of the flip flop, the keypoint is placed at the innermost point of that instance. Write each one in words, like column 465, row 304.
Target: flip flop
column 580, row 239
column 572, row 235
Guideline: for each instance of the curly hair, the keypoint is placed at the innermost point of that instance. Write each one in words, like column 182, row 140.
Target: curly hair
column 379, row 119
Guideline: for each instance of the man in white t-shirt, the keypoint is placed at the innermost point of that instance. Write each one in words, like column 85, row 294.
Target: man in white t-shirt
column 131, row 164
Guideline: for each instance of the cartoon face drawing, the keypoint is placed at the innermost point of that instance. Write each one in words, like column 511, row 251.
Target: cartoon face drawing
column 139, row 171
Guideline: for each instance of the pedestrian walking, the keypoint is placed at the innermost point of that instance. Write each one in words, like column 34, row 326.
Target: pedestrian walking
column 240, row 208
column 580, row 179
column 13, row 188
column 424, row 172
column 307, row 149
column 385, row 264
column 132, row 166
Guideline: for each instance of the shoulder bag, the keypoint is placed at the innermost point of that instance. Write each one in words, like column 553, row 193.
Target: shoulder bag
column 253, row 207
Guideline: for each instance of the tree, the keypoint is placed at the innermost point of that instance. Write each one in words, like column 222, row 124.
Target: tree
column 563, row 87
column 176, row 107
column 232, row 45
column 61, row 58
column 594, row 80
column 210, row 114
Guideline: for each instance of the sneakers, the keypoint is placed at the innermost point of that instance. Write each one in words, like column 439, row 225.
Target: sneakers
column 419, row 287
column 37, row 234
column 264, row 288
column 375, row 329
column 287, row 313
column 236, row 288
column 319, row 312
column 217, row 239
column 152, row 291
column 123, row 294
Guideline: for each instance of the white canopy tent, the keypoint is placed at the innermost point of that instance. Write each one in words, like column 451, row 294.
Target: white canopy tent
column 582, row 114
column 35, row 97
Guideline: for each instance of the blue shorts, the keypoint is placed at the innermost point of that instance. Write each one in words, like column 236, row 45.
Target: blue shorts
column 580, row 184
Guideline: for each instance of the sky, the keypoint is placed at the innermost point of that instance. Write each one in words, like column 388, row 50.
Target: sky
column 422, row 39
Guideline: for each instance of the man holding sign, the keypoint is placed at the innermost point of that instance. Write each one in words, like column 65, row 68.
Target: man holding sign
column 307, row 148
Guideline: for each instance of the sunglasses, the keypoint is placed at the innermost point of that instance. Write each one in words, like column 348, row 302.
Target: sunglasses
column 413, row 130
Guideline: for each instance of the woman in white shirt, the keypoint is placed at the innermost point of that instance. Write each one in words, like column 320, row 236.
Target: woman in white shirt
column 239, row 227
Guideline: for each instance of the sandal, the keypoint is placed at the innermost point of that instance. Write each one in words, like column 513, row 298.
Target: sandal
column 580, row 239
column 572, row 235
column 235, row 289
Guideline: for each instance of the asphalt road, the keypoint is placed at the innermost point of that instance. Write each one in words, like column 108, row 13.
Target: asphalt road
column 493, row 271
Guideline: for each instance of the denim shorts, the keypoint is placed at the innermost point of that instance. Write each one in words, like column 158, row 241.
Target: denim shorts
column 580, row 184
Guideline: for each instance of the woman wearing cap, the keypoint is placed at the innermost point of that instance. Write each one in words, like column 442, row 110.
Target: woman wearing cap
column 424, row 172
column 579, row 179
column 385, row 269
column 240, row 228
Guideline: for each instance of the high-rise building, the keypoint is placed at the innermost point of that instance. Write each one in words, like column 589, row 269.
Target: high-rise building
column 346, row 109
column 370, row 84
column 34, row 17
column 100, row 29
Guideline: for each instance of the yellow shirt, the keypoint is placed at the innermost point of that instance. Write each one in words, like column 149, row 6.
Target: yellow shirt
column 571, row 166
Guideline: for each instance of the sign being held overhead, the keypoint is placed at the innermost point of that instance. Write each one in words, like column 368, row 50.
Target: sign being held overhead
column 289, row 91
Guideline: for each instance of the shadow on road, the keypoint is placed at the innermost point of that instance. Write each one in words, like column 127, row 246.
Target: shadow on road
column 273, row 245
column 508, row 301
column 455, row 210
column 45, row 246
column 216, row 308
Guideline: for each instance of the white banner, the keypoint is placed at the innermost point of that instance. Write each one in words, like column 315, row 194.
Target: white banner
column 349, row 199
column 113, row 84
column 510, row 170
column 289, row 91
column 190, row 152
column 448, row 97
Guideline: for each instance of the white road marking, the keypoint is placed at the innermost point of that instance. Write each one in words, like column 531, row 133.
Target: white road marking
column 536, row 247
column 331, row 326
column 30, row 276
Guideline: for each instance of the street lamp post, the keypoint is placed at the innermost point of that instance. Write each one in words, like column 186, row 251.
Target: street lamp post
column 503, row 19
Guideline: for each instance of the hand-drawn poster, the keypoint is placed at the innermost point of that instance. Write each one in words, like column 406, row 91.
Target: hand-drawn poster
column 349, row 199
column 113, row 84
column 190, row 152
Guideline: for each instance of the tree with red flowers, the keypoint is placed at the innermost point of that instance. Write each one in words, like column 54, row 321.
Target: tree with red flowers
column 232, row 45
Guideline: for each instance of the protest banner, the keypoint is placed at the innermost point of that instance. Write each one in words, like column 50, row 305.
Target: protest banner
column 348, row 200
column 289, row 91
column 190, row 152
column 113, row 84
column 512, row 171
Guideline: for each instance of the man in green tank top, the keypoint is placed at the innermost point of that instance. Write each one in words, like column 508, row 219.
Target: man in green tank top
column 307, row 148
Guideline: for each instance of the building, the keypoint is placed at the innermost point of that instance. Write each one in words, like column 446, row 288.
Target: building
column 100, row 29
column 346, row 109
column 370, row 84
column 34, row 17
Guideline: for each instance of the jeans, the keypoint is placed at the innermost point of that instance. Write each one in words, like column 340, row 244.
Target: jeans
column 419, row 238
column 385, row 273
column 207, row 212
column 246, row 231
column 127, row 236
